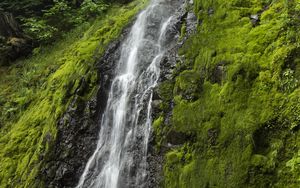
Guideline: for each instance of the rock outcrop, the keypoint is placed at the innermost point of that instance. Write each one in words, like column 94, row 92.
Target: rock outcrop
column 167, row 65
column 79, row 127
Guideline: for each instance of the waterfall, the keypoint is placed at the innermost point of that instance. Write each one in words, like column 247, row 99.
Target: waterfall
column 119, row 160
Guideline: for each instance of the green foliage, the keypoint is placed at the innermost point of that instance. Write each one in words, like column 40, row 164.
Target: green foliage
column 39, row 29
column 60, row 15
column 46, row 21
column 90, row 9
column 288, row 82
column 238, row 93
column 35, row 92
column 182, row 31
column 158, row 130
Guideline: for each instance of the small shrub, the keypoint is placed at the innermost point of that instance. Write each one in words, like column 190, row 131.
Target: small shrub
column 61, row 15
column 39, row 29
column 90, row 9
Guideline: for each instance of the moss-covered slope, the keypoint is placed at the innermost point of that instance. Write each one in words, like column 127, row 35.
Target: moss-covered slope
column 35, row 93
column 236, row 98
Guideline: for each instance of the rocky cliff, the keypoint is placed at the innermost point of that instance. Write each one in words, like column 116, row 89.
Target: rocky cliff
column 226, row 108
column 49, row 114
column 229, row 115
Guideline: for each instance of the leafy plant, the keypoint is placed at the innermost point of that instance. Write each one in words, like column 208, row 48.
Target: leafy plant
column 90, row 9
column 39, row 29
column 288, row 82
column 60, row 15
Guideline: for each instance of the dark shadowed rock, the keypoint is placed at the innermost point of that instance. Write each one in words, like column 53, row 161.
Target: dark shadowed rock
column 167, row 65
column 79, row 127
column 219, row 73
column 255, row 19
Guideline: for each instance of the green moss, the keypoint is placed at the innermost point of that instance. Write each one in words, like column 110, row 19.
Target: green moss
column 188, row 83
column 179, row 165
column 182, row 31
column 158, row 131
column 238, row 94
column 36, row 92
column 157, row 123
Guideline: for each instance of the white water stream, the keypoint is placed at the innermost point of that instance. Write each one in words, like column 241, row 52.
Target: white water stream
column 119, row 160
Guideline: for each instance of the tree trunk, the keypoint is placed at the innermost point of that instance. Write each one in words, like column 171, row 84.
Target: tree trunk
column 13, row 43
column 9, row 27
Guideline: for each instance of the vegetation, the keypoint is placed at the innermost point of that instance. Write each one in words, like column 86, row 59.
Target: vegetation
column 46, row 25
column 35, row 92
column 40, row 22
column 236, row 98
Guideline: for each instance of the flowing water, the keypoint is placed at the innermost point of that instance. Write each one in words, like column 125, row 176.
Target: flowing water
column 119, row 160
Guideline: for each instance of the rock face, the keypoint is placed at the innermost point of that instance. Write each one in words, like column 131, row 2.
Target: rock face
column 230, row 147
column 79, row 127
column 76, row 128
column 167, row 65
column 13, row 43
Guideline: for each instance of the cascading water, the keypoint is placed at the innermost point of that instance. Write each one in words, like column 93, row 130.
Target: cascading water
column 120, row 157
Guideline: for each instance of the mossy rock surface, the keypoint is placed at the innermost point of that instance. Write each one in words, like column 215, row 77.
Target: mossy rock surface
column 35, row 93
column 238, row 96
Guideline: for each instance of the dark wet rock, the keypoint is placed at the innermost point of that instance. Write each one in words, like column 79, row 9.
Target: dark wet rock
column 76, row 128
column 167, row 65
column 79, row 127
column 219, row 73
column 255, row 19
column 213, row 136
column 156, row 94
column 211, row 11
column 177, row 138
column 150, row 49
column 155, row 166
column 191, row 23
column 156, row 106
column 254, row 16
